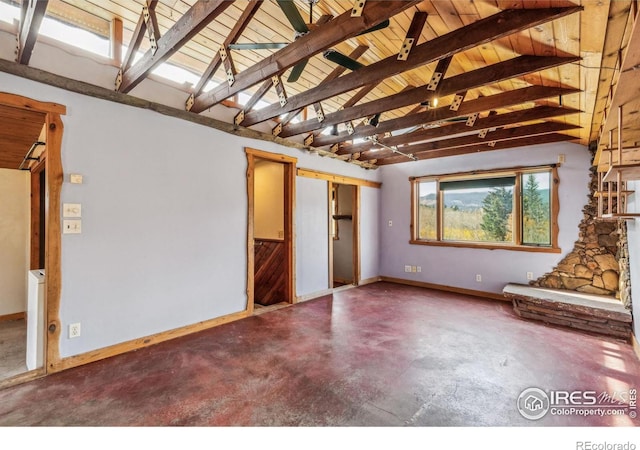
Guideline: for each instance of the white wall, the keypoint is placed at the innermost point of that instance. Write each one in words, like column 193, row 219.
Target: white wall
column 268, row 200
column 457, row 267
column 164, row 207
column 312, row 236
column 15, row 212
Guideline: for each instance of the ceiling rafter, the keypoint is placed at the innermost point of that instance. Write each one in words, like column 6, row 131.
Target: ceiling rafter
column 335, row 31
column 31, row 16
column 512, row 68
column 491, row 121
column 504, row 145
column 191, row 23
column 242, row 23
column 504, row 99
column 136, row 40
column 485, row 30
column 465, row 141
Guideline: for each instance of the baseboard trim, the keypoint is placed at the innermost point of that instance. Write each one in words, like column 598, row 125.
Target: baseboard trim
column 14, row 316
column 22, row 378
column 307, row 297
column 369, row 281
column 136, row 344
column 442, row 287
column 636, row 345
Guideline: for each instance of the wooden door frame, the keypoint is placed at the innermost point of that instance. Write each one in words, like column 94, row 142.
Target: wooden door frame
column 355, row 224
column 53, row 179
column 289, row 164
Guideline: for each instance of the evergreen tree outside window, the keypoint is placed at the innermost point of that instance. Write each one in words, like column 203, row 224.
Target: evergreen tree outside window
column 512, row 209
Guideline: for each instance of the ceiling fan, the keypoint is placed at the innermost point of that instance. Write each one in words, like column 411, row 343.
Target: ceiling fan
column 301, row 28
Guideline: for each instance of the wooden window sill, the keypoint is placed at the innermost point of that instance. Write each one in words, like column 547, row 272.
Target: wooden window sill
column 488, row 246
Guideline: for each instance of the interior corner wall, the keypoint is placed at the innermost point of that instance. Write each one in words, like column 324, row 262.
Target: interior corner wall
column 633, row 234
column 455, row 266
column 15, row 190
column 164, row 219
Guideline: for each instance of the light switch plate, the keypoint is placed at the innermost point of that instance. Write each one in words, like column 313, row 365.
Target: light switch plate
column 72, row 226
column 71, row 210
column 75, row 178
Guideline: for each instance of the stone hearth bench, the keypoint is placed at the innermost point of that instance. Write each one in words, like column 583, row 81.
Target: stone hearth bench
column 593, row 313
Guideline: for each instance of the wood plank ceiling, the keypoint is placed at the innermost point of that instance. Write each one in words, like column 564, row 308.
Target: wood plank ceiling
column 505, row 73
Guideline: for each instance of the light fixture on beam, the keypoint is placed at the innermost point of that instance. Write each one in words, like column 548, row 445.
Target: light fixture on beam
column 430, row 103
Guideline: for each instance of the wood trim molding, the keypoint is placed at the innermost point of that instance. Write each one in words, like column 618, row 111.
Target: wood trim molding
column 441, row 287
column 53, row 271
column 136, row 344
column 18, row 101
column 308, row 173
column 22, row 378
column 14, row 316
column 270, row 156
column 520, row 248
column 369, row 281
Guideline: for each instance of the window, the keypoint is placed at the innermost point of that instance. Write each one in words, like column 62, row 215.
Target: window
column 514, row 209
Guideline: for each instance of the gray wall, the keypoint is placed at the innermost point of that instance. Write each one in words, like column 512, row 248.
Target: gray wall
column 458, row 267
column 164, row 219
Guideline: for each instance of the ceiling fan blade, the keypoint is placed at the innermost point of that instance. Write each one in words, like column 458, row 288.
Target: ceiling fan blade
column 341, row 59
column 257, row 45
column 297, row 71
column 380, row 26
column 293, row 15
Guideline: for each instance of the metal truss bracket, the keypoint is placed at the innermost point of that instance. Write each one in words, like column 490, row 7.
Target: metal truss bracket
column 239, row 118
column 190, row 101
column 471, row 120
column 308, row 140
column 350, row 128
column 407, row 45
column 358, row 6
column 435, row 80
column 277, row 130
column 457, row 101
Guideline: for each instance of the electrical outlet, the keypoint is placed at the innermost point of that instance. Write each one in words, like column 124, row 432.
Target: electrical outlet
column 74, row 330
column 391, row 223
column 407, row 268
column 529, row 275
column 414, row 269
column 419, row 269
column 561, row 158
column 479, row 278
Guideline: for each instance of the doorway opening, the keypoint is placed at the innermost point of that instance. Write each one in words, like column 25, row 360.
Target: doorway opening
column 344, row 239
column 30, row 184
column 270, row 266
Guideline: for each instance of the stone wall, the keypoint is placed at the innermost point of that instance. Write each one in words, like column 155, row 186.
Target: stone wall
column 624, row 286
column 592, row 266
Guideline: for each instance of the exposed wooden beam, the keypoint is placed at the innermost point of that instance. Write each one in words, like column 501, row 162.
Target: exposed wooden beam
column 115, row 41
column 318, row 40
column 413, row 33
column 31, row 17
column 492, row 121
column 511, row 143
column 236, row 32
column 191, row 23
column 477, row 33
column 503, row 100
column 516, row 67
column 466, row 141
column 136, row 40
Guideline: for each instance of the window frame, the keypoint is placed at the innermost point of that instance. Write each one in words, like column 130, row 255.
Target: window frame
column 517, row 244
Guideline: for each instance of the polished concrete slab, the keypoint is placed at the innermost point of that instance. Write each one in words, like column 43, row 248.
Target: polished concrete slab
column 13, row 348
column 378, row 355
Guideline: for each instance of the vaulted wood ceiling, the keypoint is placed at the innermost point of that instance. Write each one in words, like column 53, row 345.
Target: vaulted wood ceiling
column 505, row 73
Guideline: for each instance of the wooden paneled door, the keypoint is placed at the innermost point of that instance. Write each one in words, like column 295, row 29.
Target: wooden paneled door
column 270, row 229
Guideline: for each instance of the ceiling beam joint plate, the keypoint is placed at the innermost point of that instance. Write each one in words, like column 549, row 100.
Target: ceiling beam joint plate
column 358, row 7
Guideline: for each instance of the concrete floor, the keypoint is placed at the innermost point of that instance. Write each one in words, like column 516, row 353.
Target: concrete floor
column 13, row 348
column 378, row 355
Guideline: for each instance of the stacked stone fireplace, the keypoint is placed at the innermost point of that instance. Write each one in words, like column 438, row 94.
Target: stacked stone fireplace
column 598, row 263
